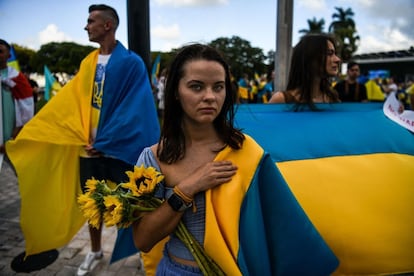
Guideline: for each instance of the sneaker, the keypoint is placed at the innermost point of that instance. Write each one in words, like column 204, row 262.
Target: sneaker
column 91, row 260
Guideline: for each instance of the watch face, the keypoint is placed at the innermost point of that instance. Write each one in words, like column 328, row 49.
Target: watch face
column 176, row 203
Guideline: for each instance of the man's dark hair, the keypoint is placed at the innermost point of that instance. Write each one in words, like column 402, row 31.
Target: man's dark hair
column 351, row 64
column 4, row 42
column 109, row 11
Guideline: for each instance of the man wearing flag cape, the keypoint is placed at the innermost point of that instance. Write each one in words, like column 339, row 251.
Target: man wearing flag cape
column 96, row 126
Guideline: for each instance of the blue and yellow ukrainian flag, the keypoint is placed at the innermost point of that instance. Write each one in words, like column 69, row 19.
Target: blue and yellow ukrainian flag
column 12, row 61
column 45, row 154
column 155, row 69
column 374, row 92
column 349, row 167
column 51, row 84
column 352, row 170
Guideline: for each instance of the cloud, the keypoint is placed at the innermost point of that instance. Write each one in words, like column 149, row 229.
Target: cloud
column 314, row 5
column 166, row 47
column 398, row 15
column 52, row 34
column 181, row 3
column 166, row 32
column 383, row 39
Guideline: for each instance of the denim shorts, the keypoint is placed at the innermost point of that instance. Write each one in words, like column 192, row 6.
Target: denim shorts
column 168, row 267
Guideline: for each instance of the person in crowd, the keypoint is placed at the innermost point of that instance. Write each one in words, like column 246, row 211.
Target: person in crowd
column 221, row 184
column 95, row 161
column 314, row 62
column 160, row 92
column 410, row 94
column 389, row 86
column 17, row 105
column 33, row 84
column 244, row 89
column 374, row 89
column 106, row 114
column 350, row 90
column 269, row 87
column 261, row 89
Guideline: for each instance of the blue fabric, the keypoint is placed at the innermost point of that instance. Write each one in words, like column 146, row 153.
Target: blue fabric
column 128, row 121
column 284, row 134
column 347, row 197
column 291, row 243
column 49, row 81
column 124, row 245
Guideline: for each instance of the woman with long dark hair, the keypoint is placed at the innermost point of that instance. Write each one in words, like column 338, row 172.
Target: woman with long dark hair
column 221, row 184
column 314, row 62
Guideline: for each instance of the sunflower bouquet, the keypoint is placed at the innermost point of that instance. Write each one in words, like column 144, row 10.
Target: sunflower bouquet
column 119, row 205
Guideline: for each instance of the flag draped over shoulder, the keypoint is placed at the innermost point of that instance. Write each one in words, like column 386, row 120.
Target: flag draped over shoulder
column 352, row 170
column 45, row 155
column 22, row 94
column 46, row 151
column 255, row 226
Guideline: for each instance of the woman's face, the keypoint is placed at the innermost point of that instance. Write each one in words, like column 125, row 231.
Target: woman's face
column 332, row 61
column 202, row 90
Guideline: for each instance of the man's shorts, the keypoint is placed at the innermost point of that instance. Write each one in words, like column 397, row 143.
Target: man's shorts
column 103, row 168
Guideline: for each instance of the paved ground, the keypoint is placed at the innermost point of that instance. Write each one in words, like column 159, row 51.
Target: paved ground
column 70, row 256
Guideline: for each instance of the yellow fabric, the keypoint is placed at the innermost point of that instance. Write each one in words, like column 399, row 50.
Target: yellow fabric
column 153, row 257
column 243, row 93
column 46, row 157
column 14, row 64
column 374, row 92
column 223, row 206
column 55, row 89
column 364, row 213
column 410, row 90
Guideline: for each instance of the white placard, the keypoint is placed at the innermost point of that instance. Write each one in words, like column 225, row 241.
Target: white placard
column 392, row 109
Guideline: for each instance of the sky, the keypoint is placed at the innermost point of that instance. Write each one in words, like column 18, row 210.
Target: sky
column 382, row 25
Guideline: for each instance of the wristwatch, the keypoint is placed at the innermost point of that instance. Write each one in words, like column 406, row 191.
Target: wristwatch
column 177, row 203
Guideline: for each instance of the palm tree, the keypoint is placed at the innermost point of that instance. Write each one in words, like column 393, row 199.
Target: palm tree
column 343, row 19
column 315, row 26
column 344, row 29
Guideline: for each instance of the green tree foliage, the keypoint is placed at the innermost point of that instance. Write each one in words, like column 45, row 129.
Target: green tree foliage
column 60, row 57
column 66, row 56
column 342, row 19
column 271, row 60
column 315, row 26
column 242, row 57
column 343, row 26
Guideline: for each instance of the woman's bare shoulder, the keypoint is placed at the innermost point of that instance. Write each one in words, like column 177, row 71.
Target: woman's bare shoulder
column 278, row 97
column 154, row 148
